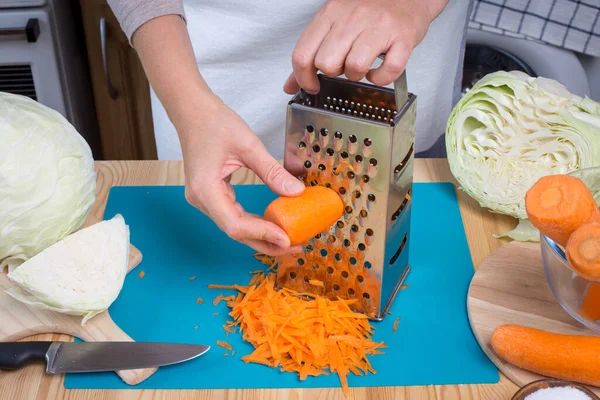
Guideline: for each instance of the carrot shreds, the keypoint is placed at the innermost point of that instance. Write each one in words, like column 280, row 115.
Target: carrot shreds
column 316, row 282
column 215, row 314
column 224, row 345
column 395, row 327
column 305, row 337
column 192, row 278
column 403, row 287
column 141, row 274
column 196, row 327
column 199, row 300
column 218, row 299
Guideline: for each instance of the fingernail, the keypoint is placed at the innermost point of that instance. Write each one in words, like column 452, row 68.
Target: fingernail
column 283, row 243
column 293, row 186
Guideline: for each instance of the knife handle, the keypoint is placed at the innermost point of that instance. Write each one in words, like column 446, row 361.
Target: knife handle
column 15, row 355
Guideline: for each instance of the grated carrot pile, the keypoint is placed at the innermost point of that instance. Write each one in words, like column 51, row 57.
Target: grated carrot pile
column 309, row 338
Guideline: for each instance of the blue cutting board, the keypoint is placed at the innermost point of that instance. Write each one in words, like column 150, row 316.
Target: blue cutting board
column 433, row 345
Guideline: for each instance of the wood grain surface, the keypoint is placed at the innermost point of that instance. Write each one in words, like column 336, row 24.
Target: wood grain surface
column 32, row 383
column 510, row 287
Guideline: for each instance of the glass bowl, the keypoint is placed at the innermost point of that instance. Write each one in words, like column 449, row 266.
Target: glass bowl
column 568, row 288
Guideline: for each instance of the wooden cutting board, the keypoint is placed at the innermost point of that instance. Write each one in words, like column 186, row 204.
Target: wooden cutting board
column 19, row 321
column 509, row 287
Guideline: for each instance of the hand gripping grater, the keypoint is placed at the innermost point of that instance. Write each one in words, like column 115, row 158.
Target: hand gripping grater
column 357, row 139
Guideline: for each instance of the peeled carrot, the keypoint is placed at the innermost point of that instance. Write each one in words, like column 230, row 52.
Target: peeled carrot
column 303, row 217
column 568, row 357
column 590, row 306
column 559, row 204
column 583, row 251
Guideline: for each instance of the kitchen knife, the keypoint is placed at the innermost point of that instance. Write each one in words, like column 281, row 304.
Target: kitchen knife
column 68, row 357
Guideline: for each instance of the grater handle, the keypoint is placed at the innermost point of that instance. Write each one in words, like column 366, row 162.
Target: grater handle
column 400, row 88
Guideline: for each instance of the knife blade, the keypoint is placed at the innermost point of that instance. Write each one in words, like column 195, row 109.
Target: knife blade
column 70, row 357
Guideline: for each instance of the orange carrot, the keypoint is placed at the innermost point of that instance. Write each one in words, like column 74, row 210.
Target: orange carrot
column 141, row 274
column 590, row 306
column 568, row 357
column 559, row 204
column 316, row 282
column 583, row 251
column 224, row 345
column 192, row 278
column 308, row 338
column 303, row 217
column 395, row 326
column 199, row 300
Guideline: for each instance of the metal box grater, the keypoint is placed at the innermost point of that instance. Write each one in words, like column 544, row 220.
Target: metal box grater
column 353, row 138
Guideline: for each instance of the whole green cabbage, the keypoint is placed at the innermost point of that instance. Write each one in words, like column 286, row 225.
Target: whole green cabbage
column 511, row 129
column 47, row 179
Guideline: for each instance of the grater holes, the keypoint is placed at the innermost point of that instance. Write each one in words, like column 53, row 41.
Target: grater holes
column 366, row 296
column 354, row 228
column 363, row 213
column 322, row 167
column 323, row 253
column 307, row 164
column 373, row 162
column 300, row 262
column 336, row 287
column 358, row 158
column 316, row 148
column 340, row 224
column 351, row 292
column 344, row 154
column 331, row 239
column 360, row 279
column 342, row 190
column 367, row 142
column 397, row 213
column 329, row 270
column 318, row 236
column 371, row 197
column 366, row 178
column 361, row 247
column 352, row 139
column 368, row 265
column 352, row 261
column 328, row 185
column 292, row 275
column 337, row 135
column 345, row 275
column 369, row 232
column 330, row 151
column 309, row 247
column 324, row 132
column 306, row 279
column 310, row 129
column 351, row 175
column 348, row 210
column 399, row 167
column 399, row 251
column 314, row 182
column 347, row 243
column 357, row 194
column 301, row 145
column 337, row 257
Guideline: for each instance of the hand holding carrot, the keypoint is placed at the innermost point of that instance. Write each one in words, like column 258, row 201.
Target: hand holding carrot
column 216, row 145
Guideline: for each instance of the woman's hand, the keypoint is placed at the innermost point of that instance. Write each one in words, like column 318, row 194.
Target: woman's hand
column 216, row 143
column 346, row 36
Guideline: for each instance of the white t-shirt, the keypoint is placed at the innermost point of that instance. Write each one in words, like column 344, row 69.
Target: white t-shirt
column 243, row 49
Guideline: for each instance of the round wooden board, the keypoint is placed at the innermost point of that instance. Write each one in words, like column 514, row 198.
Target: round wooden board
column 509, row 287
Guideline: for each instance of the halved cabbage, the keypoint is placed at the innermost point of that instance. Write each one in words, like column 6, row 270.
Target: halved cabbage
column 511, row 129
column 81, row 274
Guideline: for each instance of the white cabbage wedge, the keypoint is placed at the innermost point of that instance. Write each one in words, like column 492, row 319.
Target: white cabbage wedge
column 81, row 274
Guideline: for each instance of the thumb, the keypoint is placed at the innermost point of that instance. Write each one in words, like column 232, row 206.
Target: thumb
column 272, row 173
column 291, row 85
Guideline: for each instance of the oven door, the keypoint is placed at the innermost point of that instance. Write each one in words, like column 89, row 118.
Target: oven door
column 28, row 60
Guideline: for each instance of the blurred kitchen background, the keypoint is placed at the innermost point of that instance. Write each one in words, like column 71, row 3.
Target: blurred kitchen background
column 72, row 56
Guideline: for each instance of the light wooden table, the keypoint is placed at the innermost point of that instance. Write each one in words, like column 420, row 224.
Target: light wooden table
column 32, row 383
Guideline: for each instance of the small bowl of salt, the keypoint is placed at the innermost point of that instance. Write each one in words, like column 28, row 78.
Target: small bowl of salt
column 554, row 389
